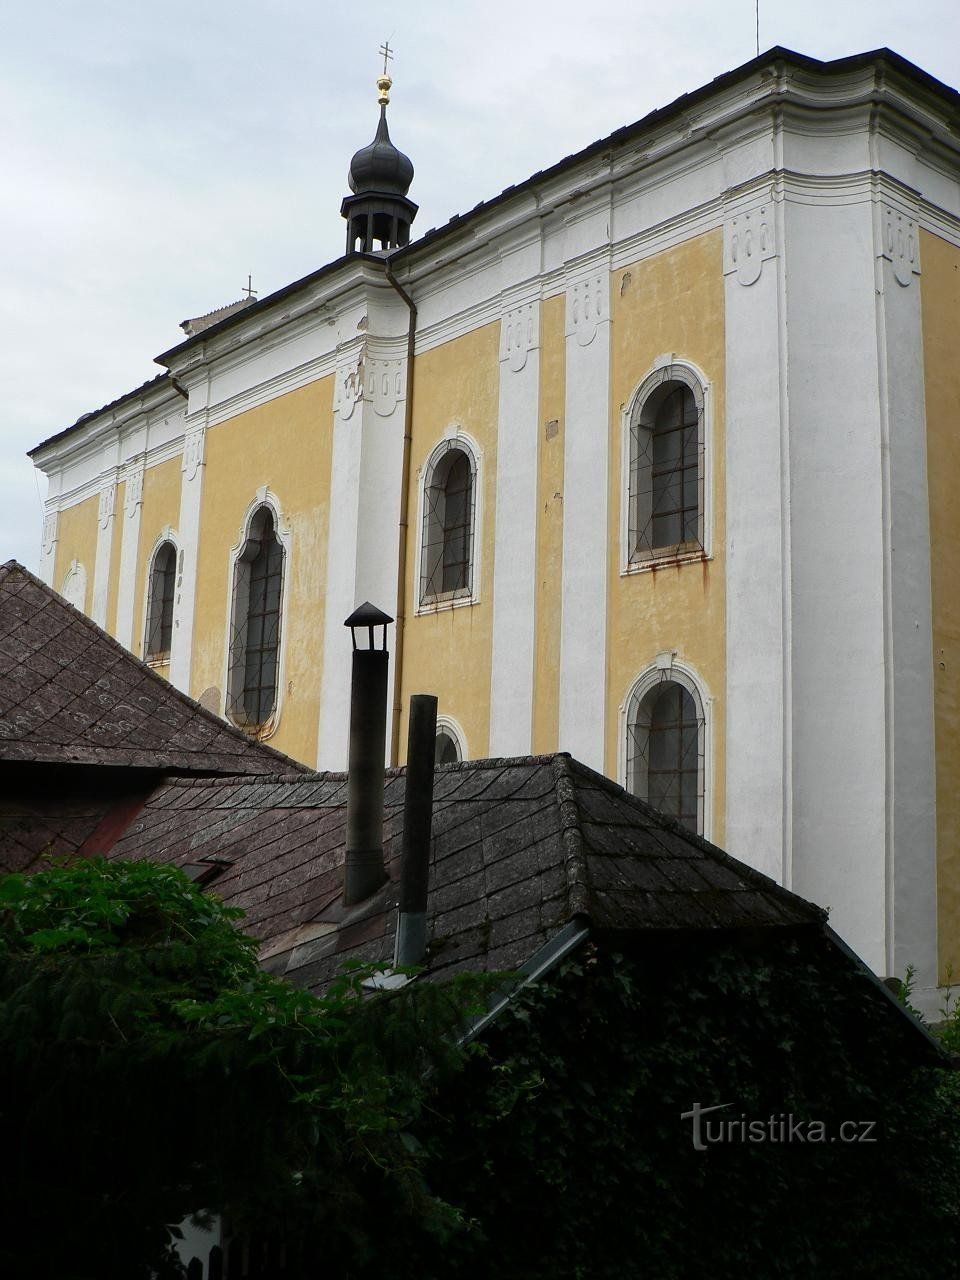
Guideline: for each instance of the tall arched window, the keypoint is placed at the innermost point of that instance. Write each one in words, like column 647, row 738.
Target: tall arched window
column 162, row 587
column 667, row 452
column 449, row 507
column 255, row 643
column 666, row 749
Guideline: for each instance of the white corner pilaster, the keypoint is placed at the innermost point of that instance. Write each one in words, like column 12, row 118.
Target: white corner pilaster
column 757, row 550
column 191, row 492
column 908, row 607
column 514, row 576
column 583, row 620
column 839, row 595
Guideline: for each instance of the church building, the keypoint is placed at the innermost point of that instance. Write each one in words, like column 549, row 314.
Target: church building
column 651, row 457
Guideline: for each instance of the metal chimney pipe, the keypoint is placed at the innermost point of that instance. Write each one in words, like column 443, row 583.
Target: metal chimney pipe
column 364, row 872
column 417, row 821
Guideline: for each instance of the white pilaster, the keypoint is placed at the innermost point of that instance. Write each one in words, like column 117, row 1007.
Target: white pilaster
column 756, row 551
column 911, row 766
column 48, row 543
column 191, row 491
column 364, row 523
column 129, row 549
column 838, row 643
column 101, row 569
column 583, row 621
column 515, row 544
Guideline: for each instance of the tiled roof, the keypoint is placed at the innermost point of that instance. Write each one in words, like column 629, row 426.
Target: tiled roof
column 520, row 847
column 70, row 694
column 198, row 323
column 76, row 816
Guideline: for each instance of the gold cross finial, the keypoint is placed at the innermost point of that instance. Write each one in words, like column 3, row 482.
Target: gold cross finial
column 384, row 82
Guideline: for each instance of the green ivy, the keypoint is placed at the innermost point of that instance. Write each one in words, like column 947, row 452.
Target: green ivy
column 149, row 1069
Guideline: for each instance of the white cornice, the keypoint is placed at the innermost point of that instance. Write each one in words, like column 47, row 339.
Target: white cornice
column 101, row 430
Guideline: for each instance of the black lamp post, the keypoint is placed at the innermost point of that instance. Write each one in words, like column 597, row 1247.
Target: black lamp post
column 365, row 871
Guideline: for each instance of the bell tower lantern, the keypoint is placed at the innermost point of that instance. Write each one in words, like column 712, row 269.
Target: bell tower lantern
column 378, row 213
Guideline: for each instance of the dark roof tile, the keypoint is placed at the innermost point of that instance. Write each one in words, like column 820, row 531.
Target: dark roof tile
column 72, row 694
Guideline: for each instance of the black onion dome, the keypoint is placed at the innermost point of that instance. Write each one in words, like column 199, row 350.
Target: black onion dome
column 380, row 166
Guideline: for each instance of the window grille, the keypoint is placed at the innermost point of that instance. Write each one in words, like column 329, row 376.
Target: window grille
column 446, row 564
column 665, row 752
column 163, row 580
column 666, row 473
column 255, row 643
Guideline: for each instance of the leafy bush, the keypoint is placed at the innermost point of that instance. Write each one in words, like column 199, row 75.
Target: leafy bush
column 150, row 1069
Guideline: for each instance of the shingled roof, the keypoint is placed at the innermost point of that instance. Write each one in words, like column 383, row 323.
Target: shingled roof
column 70, row 694
column 520, row 848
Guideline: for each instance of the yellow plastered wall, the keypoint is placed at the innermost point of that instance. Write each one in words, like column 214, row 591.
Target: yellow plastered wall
column 115, row 544
column 160, row 509
column 449, row 652
column 286, row 446
column 672, row 302
column 77, row 540
column 546, row 672
column 940, row 304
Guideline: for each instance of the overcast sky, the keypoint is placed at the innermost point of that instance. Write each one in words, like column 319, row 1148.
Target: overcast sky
column 153, row 155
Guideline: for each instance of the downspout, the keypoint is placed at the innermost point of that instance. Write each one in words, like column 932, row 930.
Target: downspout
column 404, row 514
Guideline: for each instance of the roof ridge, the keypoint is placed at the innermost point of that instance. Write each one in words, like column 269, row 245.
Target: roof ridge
column 574, row 858
column 752, row 874
column 55, row 598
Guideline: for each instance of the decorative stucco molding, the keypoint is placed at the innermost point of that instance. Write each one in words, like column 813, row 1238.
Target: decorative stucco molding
column 49, row 537
column 383, row 385
column 587, row 307
column 133, row 488
column 519, row 335
column 900, row 244
column 193, row 451
column 749, row 240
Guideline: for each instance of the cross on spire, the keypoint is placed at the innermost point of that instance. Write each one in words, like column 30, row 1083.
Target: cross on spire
column 387, row 53
column 248, row 288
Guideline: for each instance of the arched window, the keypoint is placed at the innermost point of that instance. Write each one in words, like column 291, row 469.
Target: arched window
column 449, row 508
column 665, row 762
column 667, row 451
column 448, row 749
column 162, row 586
column 255, row 643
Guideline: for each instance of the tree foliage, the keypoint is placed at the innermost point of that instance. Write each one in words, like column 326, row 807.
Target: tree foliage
column 573, row 1161
column 149, row 1069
